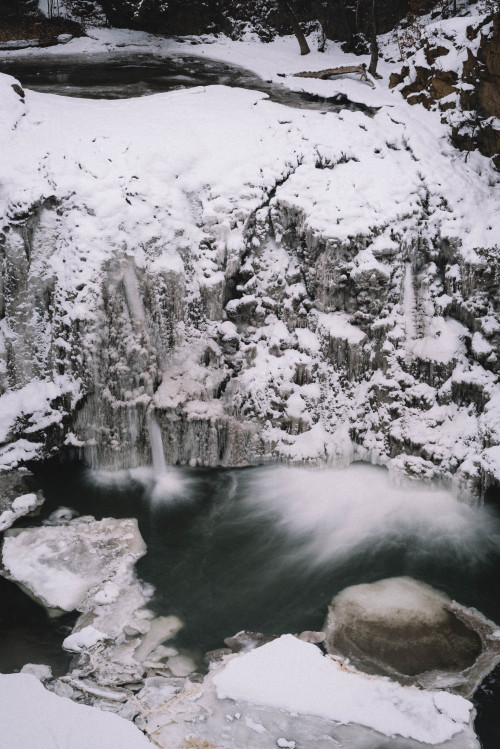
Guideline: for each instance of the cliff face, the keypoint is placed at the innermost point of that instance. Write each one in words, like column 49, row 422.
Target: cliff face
column 232, row 281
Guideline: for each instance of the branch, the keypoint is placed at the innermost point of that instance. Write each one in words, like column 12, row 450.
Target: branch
column 324, row 74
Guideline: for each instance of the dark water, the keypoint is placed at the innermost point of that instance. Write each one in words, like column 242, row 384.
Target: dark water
column 126, row 76
column 244, row 549
column 27, row 635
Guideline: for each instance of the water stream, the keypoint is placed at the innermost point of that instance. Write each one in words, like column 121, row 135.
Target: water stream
column 126, row 75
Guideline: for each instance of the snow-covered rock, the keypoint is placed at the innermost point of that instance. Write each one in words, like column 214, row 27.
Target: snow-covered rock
column 293, row 675
column 15, row 498
column 288, row 688
column 266, row 282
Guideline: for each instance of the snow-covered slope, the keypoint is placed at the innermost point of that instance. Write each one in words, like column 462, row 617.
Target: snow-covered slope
column 262, row 282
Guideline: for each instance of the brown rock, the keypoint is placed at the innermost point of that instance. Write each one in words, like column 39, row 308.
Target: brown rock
column 442, row 84
column 396, row 78
column 491, row 49
column 489, row 142
column 489, row 98
column 432, row 53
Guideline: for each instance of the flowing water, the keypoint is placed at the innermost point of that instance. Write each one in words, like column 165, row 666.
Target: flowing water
column 127, row 75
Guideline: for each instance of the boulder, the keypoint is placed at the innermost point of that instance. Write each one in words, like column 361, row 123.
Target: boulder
column 412, row 632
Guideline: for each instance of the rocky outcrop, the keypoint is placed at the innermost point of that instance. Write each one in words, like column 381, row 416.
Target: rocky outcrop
column 462, row 81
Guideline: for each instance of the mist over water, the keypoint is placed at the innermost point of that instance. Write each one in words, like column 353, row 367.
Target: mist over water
column 331, row 514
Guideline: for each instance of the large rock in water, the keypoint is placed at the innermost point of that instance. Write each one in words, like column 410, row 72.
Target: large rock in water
column 412, row 632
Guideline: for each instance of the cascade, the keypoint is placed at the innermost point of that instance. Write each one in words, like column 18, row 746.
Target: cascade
column 157, row 452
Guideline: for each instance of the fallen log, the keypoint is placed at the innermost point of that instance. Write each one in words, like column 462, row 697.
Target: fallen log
column 323, row 74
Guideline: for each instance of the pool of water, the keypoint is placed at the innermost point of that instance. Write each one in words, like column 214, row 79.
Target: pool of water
column 266, row 549
column 130, row 75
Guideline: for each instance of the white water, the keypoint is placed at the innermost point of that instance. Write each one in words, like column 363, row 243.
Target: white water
column 157, row 452
column 332, row 513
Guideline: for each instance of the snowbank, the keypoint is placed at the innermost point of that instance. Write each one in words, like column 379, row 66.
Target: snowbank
column 34, row 717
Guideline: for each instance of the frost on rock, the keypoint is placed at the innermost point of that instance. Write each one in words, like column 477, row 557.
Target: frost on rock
column 413, row 633
column 260, row 282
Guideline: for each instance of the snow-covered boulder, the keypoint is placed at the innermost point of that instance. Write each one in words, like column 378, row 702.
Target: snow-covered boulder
column 288, row 693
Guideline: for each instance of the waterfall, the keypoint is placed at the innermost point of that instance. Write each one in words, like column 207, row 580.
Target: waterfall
column 169, row 485
column 157, row 453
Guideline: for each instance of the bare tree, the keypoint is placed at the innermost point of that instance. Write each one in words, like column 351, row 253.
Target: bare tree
column 288, row 12
column 373, row 41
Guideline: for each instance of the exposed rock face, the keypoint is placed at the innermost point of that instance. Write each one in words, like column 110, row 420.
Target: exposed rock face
column 414, row 633
column 467, row 92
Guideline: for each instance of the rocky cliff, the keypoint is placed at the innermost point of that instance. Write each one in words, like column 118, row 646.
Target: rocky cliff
column 231, row 281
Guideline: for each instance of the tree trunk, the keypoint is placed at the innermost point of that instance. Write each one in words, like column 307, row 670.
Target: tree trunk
column 373, row 42
column 287, row 10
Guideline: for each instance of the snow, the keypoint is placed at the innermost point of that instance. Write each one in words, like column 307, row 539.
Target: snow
column 338, row 326
column 271, row 674
column 443, row 342
column 34, row 717
column 19, row 507
column 82, row 639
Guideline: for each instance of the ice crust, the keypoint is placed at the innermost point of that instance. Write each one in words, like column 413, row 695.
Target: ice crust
column 63, row 565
